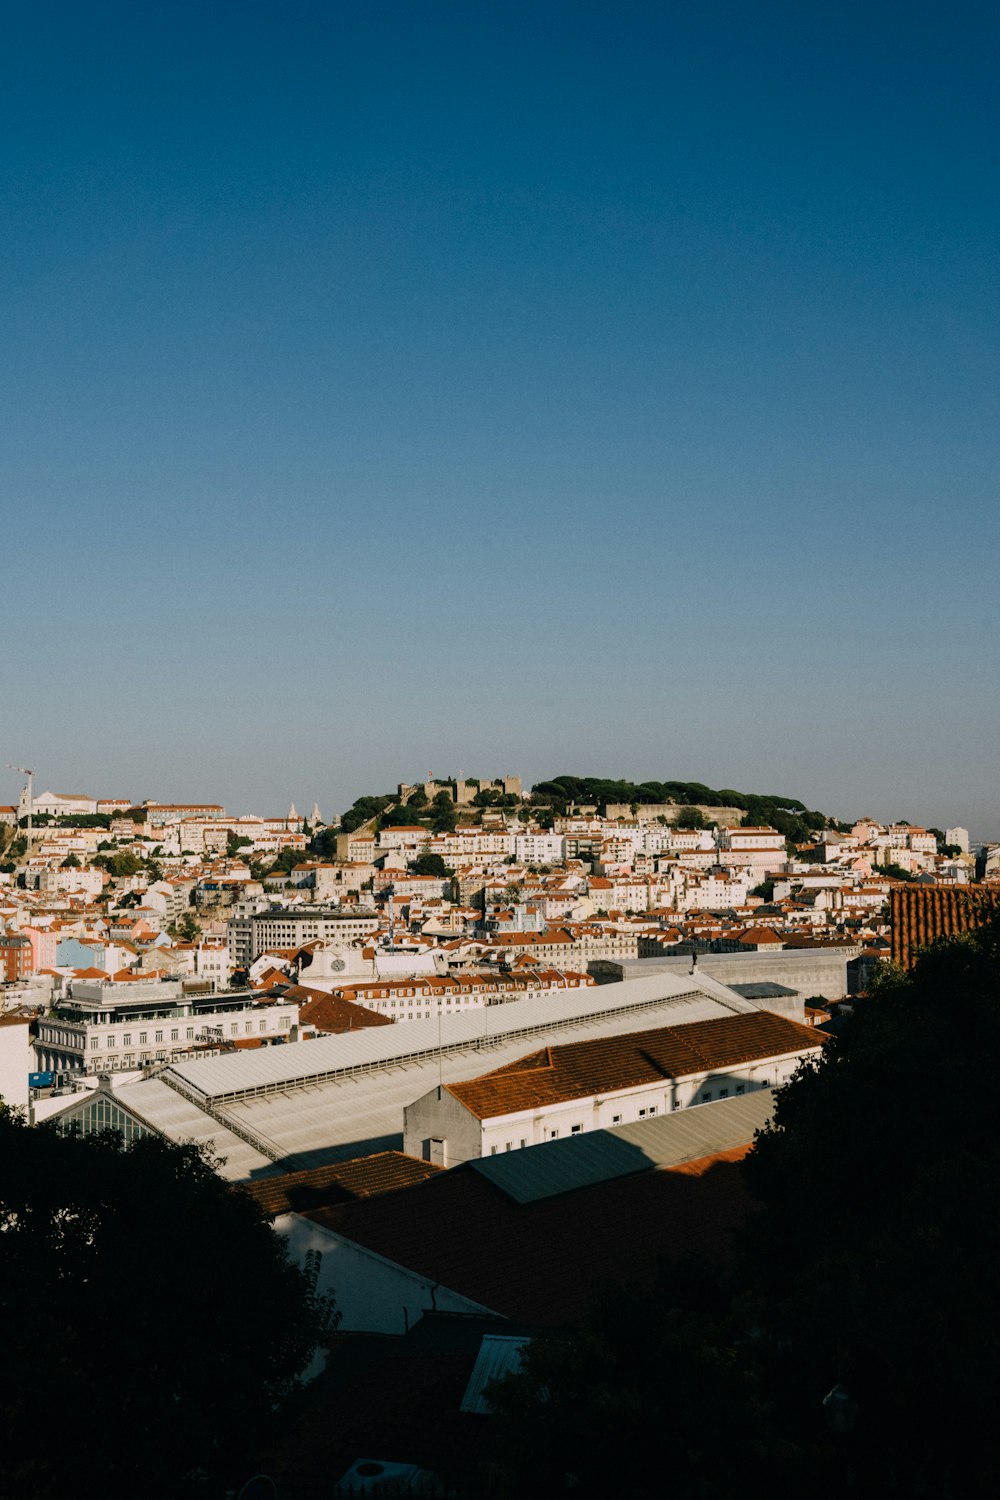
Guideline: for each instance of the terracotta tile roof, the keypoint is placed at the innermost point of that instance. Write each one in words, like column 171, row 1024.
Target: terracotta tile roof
column 754, row 935
column 319, row 1187
column 332, row 1012
column 604, row 1064
column 542, row 1262
column 921, row 914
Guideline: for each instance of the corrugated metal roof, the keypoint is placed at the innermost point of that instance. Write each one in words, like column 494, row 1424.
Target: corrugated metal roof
column 600, row 1155
column 499, row 1355
column 296, row 1063
column 764, row 990
column 175, row 1117
column 315, row 1121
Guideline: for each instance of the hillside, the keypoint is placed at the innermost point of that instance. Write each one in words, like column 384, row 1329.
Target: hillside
column 554, row 797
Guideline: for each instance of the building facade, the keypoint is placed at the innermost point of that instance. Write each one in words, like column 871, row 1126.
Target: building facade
column 120, row 1027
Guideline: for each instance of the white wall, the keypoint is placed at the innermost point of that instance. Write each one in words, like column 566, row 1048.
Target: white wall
column 17, row 1060
column 374, row 1295
column 445, row 1119
column 466, row 1137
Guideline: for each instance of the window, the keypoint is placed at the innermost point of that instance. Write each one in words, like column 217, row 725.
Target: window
column 111, row 1043
column 553, row 1135
column 262, row 1026
column 159, row 1036
column 676, row 1104
column 616, row 1119
column 642, row 1114
column 523, row 1142
column 142, row 1038
column 93, row 1043
column 652, row 1109
column 190, row 1033
column 575, row 1129
column 723, row 1093
column 706, row 1096
column 493, row 1151
column 739, row 1088
column 174, row 1034
column 508, row 1145
column 127, row 1039
column 233, row 1029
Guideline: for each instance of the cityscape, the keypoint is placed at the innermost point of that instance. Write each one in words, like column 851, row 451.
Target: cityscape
column 454, row 980
column 499, row 820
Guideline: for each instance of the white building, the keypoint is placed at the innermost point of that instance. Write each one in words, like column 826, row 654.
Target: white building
column 761, row 848
column 120, row 1027
column 539, row 848
column 959, row 836
column 17, row 1059
column 570, row 1090
column 57, row 804
column 290, row 927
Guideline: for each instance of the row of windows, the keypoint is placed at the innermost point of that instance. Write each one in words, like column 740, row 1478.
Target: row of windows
column 705, row 1097
column 112, row 1044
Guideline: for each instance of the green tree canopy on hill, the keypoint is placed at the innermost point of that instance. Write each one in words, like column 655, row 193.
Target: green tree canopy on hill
column 443, row 815
column 363, row 809
column 430, row 864
column 757, row 808
column 157, row 1321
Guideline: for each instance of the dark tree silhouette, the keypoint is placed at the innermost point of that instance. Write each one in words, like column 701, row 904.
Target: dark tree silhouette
column 152, row 1321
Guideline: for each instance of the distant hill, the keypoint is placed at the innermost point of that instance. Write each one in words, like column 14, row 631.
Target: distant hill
column 790, row 816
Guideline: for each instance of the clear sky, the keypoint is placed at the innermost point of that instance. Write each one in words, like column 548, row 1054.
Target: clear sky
column 587, row 387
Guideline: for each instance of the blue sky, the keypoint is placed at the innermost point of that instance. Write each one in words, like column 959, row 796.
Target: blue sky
column 394, row 388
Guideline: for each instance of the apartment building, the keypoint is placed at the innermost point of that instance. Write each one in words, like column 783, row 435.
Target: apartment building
column 420, row 997
column 761, row 848
column 290, row 927
column 108, row 1026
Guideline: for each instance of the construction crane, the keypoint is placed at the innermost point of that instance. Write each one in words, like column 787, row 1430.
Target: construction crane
column 31, row 800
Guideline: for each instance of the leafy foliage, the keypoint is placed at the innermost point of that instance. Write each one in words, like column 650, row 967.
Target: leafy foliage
column 443, row 815
column 430, row 864
column 691, row 817
column 363, row 809
column 186, row 928
column 592, row 1407
column 788, row 814
column 120, row 865
column 156, row 1318
column 894, row 872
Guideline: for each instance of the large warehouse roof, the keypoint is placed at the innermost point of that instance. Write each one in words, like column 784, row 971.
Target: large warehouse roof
column 344, row 1096
column 241, row 1075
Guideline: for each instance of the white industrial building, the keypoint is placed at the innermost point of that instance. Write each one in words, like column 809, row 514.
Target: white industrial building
column 314, row 1102
column 385, row 1287
column 571, row 1089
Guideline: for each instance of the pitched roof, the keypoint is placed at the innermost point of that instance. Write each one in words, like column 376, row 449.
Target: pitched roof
column 756, row 935
column 920, row 914
column 543, row 1261
column 604, row 1064
column 332, row 1012
column 364, row 1177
